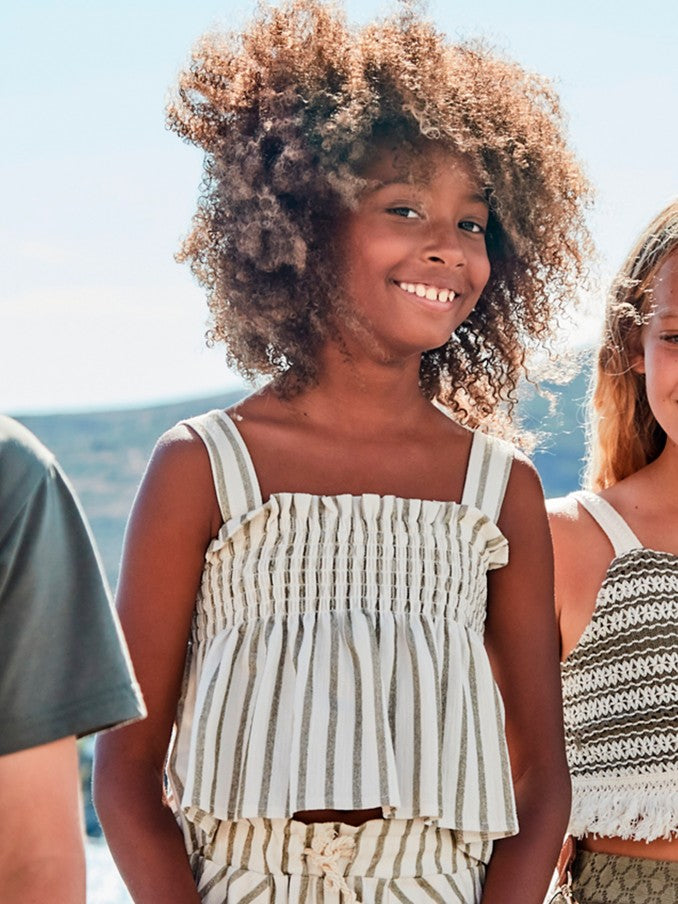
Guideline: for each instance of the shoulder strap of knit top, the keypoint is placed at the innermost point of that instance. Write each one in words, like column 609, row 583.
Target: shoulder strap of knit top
column 610, row 521
column 487, row 474
column 235, row 480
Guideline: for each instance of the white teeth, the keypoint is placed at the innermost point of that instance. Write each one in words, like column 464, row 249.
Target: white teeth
column 429, row 292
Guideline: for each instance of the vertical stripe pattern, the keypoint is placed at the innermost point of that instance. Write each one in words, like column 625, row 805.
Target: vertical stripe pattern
column 337, row 657
column 385, row 862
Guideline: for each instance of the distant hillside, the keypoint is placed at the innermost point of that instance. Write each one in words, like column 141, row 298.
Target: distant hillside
column 104, row 453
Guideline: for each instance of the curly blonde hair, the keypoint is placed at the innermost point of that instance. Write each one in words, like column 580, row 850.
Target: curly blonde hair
column 624, row 435
column 287, row 112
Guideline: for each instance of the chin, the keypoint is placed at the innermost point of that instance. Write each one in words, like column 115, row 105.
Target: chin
column 437, row 344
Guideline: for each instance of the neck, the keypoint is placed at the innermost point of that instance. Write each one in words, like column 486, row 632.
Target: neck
column 656, row 485
column 665, row 467
column 367, row 393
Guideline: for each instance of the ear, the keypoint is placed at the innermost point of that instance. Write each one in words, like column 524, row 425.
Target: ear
column 637, row 361
column 636, row 353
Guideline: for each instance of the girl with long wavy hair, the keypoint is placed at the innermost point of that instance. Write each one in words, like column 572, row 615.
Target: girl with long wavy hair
column 616, row 570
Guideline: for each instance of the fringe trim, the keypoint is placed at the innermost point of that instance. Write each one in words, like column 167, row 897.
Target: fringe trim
column 642, row 808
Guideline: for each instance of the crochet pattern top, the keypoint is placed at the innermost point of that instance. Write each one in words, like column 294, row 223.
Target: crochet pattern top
column 620, row 693
column 336, row 658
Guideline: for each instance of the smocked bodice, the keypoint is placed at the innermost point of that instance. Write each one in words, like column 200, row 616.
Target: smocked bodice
column 298, row 553
column 336, row 657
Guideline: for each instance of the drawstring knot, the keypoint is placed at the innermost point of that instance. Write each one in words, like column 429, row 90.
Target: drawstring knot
column 326, row 850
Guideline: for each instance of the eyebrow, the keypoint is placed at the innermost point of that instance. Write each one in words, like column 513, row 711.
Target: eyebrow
column 667, row 313
column 475, row 197
column 480, row 197
column 387, row 183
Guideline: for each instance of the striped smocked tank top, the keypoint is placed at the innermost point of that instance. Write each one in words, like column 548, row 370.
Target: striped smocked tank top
column 336, row 659
column 620, row 693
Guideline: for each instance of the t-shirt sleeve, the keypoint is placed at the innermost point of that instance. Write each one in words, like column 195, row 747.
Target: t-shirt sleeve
column 64, row 666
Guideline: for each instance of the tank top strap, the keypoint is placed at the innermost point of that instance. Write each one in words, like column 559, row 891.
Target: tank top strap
column 487, row 474
column 612, row 524
column 235, row 479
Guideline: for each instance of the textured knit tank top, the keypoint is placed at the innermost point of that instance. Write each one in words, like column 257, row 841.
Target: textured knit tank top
column 620, row 693
column 336, row 659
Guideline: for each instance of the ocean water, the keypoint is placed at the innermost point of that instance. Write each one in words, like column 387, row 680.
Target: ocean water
column 104, row 885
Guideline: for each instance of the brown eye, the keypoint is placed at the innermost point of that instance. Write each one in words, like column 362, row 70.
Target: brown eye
column 408, row 213
column 470, row 226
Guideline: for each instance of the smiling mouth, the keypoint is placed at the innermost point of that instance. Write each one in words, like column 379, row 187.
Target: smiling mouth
column 431, row 293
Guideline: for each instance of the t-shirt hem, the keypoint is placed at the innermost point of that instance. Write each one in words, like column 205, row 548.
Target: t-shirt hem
column 82, row 717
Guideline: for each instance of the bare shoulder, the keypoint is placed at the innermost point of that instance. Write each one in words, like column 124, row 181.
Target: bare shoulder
column 565, row 508
column 179, row 440
column 572, row 528
column 524, row 473
column 180, row 451
column 524, row 493
column 178, row 482
column 582, row 555
column 565, row 515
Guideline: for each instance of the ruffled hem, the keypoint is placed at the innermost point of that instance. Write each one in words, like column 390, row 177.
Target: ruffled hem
column 642, row 808
column 345, row 710
column 208, row 824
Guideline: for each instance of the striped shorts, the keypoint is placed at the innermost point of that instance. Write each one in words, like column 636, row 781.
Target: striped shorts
column 281, row 861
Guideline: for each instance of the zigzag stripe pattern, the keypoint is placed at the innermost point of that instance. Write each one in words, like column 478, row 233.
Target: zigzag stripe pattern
column 625, row 671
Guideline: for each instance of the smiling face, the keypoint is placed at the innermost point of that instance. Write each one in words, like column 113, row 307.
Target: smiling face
column 415, row 252
column 659, row 357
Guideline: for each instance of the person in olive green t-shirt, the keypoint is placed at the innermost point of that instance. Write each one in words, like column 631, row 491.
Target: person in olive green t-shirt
column 64, row 671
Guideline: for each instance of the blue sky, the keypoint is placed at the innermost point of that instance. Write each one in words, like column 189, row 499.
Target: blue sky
column 94, row 312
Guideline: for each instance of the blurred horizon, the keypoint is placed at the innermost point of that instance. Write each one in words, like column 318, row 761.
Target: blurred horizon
column 135, row 406
column 96, row 315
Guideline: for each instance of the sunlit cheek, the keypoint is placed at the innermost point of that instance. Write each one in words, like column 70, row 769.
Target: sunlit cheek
column 483, row 280
column 487, row 277
column 483, row 267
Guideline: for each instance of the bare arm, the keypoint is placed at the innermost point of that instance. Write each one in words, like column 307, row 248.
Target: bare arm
column 522, row 642
column 41, row 845
column 582, row 554
column 172, row 521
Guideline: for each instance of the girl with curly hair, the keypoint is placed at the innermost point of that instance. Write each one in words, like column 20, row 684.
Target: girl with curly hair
column 616, row 558
column 353, row 694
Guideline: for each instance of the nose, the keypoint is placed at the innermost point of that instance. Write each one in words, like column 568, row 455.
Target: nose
column 444, row 247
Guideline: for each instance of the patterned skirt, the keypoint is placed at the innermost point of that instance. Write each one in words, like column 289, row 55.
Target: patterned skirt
column 609, row 879
column 280, row 861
